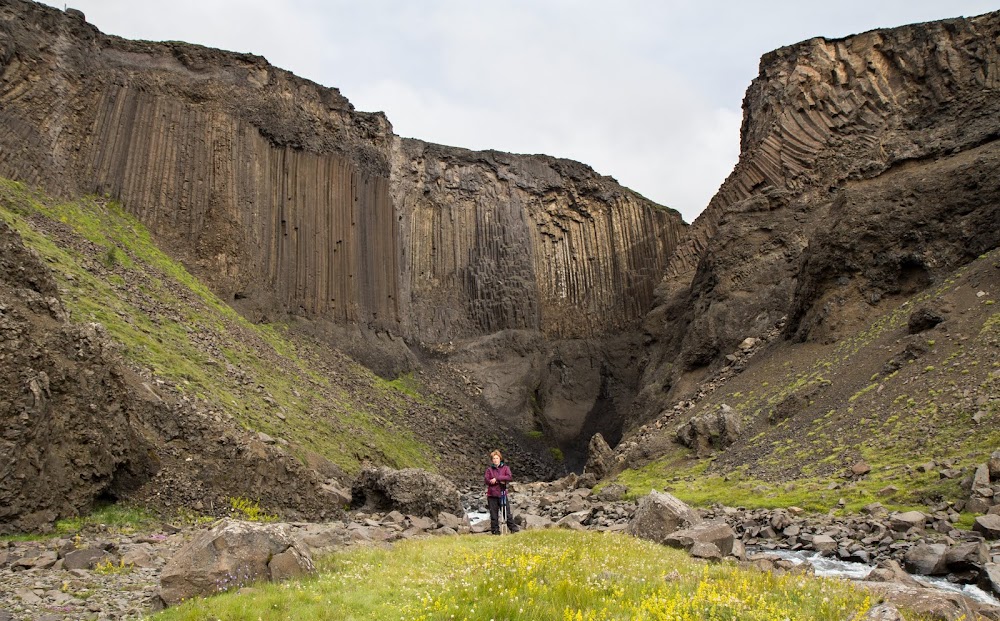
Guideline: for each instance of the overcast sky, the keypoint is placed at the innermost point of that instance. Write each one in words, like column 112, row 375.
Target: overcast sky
column 647, row 91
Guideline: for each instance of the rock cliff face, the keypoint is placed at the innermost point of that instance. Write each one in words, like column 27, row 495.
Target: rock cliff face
column 533, row 273
column 867, row 169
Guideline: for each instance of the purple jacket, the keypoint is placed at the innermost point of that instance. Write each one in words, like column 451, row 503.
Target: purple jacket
column 502, row 474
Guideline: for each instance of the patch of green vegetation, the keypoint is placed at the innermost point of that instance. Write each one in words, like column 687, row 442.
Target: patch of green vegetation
column 534, row 434
column 406, row 384
column 167, row 321
column 107, row 517
column 557, row 454
column 550, row 574
column 250, row 510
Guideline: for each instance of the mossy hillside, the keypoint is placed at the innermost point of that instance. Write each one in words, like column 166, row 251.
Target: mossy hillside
column 533, row 575
column 171, row 327
column 810, row 412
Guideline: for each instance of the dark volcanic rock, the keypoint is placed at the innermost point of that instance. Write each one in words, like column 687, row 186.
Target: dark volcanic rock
column 923, row 319
column 286, row 200
column 411, row 491
column 867, row 170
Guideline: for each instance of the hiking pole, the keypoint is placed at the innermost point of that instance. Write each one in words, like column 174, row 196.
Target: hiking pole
column 504, row 530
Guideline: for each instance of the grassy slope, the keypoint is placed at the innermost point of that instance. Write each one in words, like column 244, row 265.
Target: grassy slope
column 810, row 412
column 539, row 575
column 186, row 340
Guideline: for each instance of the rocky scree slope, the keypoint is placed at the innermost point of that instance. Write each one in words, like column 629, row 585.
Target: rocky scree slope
column 866, row 174
column 287, row 201
column 125, row 379
column 904, row 412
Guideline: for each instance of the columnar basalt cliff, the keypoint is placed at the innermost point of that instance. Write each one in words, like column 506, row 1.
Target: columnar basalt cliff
column 274, row 187
column 289, row 202
column 867, row 169
column 534, row 273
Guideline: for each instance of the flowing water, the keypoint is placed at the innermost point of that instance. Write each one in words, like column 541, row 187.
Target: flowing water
column 831, row 567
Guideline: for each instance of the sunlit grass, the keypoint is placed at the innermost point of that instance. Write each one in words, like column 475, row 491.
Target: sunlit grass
column 165, row 320
column 538, row 575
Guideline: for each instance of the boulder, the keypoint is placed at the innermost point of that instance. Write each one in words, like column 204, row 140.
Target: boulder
column 967, row 555
column 659, row 515
column 532, row 521
column 927, row 559
column 891, row 571
column 231, row 555
column 988, row 525
column 612, row 492
column 87, row 558
column 705, row 550
column 717, row 429
column 927, row 603
column 981, row 481
column 991, row 578
column 824, row 544
column 600, row 457
column 883, row 612
column 907, row 520
column 412, row 491
column 993, row 465
column 923, row 319
column 719, row 534
column 575, row 520
column 450, row 520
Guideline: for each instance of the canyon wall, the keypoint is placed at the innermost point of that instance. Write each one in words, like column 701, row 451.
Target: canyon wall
column 867, row 169
column 290, row 203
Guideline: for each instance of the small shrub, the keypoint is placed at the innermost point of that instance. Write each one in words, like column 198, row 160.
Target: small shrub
column 109, row 567
column 250, row 510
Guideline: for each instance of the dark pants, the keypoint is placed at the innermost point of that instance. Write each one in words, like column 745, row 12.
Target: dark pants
column 493, row 502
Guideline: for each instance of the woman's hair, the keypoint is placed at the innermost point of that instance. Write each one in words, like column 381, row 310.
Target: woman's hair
column 497, row 453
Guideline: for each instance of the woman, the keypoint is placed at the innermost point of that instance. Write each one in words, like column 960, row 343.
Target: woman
column 496, row 478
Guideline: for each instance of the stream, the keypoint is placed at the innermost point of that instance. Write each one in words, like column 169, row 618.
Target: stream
column 831, row 567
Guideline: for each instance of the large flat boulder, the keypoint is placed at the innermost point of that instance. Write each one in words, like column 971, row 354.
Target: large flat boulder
column 231, row 555
column 411, row 491
column 719, row 534
column 659, row 515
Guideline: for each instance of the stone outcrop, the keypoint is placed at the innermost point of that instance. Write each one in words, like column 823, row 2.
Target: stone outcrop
column 411, row 490
column 233, row 555
column 287, row 200
column 67, row 418
column 80, row 426
column 866, row 171
column 711, row 430
column 659, row 515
